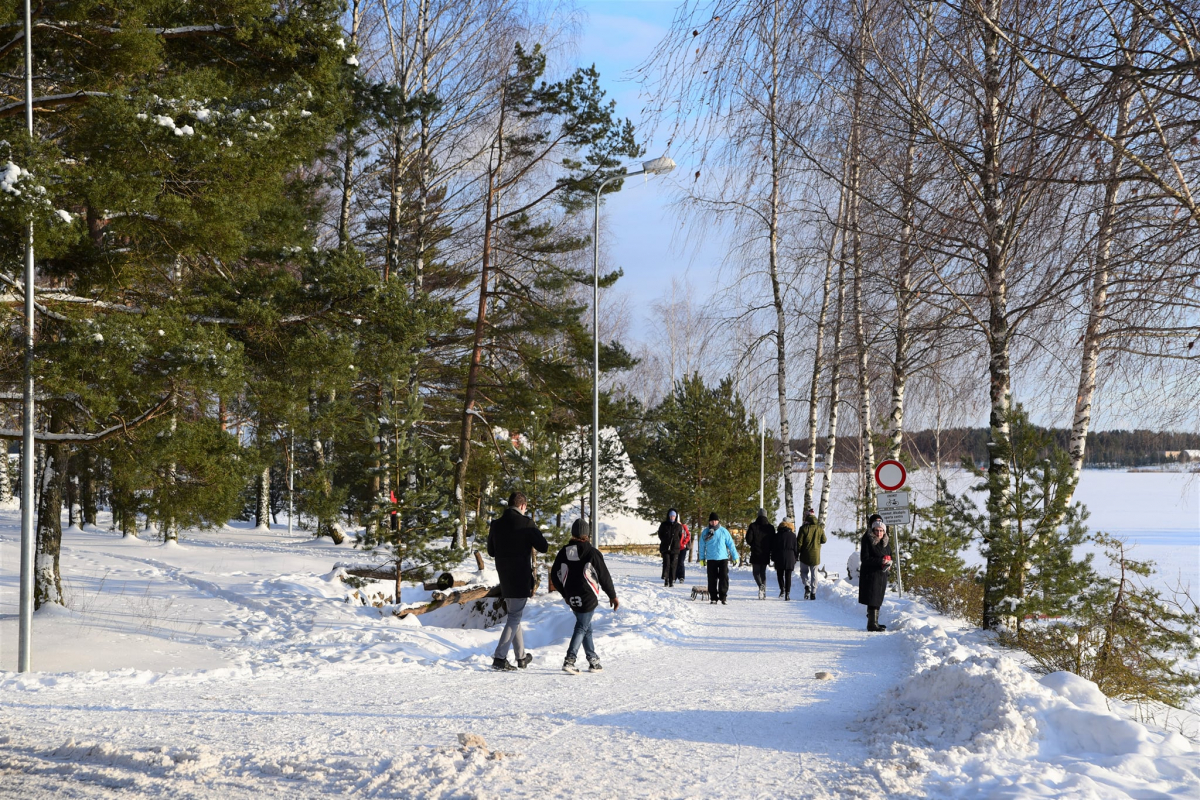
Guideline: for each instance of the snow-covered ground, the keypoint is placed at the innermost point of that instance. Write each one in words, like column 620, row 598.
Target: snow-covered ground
column 230, row 665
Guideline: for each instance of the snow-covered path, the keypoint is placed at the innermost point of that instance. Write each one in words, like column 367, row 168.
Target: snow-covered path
column 731, row 709
column 230, row 666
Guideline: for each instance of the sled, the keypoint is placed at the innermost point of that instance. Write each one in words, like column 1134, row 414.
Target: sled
column 700, row 591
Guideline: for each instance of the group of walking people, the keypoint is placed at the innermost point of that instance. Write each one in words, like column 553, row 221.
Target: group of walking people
column 579, row 573
column 717, row 552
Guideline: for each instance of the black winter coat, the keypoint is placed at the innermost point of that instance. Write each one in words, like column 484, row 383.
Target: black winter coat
column 511, row 539
column 580, row 574
column 760, row 538
column 787, row 548
column 670, row 536
column 873, row 579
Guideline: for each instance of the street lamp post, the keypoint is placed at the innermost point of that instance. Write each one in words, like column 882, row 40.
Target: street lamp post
column 657, row 166
column 25, row 607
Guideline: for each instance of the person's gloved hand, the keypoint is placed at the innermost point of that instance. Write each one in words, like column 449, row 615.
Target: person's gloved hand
column 615, row 603
column 887, row 562
column 703, row 563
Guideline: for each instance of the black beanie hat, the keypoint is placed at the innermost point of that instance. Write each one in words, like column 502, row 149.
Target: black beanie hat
column 581, row 530
column 713, row 517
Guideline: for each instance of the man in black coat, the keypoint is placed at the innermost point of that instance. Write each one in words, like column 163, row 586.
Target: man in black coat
column 670, row 540
column 760, row 538
column 512, row 538
column 785, row 551
column 875, row 561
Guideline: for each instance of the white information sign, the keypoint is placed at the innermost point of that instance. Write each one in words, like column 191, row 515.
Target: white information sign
column 893, row 507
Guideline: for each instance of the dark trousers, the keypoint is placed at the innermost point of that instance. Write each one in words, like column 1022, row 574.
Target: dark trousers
column 760, row 574
column 718, row 579
column 679, row 566
column 785, row 580
column 668, row 571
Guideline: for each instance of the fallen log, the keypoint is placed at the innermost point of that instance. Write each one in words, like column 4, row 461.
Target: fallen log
column 441, row 599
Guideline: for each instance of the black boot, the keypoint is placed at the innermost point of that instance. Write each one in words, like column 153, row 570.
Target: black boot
column 502, row 665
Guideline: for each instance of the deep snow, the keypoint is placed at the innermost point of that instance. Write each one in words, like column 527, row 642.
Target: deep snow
column 230, row 666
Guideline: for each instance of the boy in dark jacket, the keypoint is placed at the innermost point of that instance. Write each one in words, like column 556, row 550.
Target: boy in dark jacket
column 512, row 538
column 579, row 574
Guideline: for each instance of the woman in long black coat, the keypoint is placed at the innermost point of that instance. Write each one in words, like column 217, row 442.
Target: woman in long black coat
column 875, row 563
column 670, row 539
column 785, row 551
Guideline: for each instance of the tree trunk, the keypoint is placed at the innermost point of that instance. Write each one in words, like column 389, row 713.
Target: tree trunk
column 785, row 433
column 6, row 487
column 87, row 486
column 325, row 527
column 170, row 530
column 1098, row 301
column 867, row 464
column 835, row 378
column 998, row 333
column 262, row 505
column 464, row 441
column 347, row 187
column 47, row 578
column 814, row 395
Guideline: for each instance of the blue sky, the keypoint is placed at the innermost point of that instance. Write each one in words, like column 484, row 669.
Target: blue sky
column 642, row 235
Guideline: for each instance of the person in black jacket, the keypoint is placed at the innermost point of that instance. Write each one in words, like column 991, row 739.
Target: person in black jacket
column 875, row 561
column 512, row 538
column 670, row 541
column 785, row 552
column 579, row 574
column 760, row 538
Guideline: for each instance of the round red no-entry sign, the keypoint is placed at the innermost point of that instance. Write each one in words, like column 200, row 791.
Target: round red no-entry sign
column 890, row 475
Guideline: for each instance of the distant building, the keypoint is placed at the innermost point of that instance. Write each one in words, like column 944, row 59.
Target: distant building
column 1182, row 455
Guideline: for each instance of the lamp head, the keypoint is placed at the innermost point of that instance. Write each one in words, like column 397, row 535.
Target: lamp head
column 658, row 166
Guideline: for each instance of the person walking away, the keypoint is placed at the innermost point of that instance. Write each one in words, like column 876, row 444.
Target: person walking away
column 760, row 538
column 784, row 554
column 684, row 543
column 670, row 538
column 876, row 561
column 716, row 552
column 811, row 536
column 579, row 574
column 512, row 538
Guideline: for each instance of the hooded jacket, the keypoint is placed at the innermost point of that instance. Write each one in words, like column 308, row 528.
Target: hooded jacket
column 511, row 539
column 760, row 538
column 579, row 574
column 811, row 537
column 670, row 534
column 716, row 544
column 786, row 548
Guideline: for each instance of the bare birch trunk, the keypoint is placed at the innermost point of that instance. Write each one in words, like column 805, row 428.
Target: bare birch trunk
column 1098, row 305
column 814, row 394
column 347, row 188
column 835, row 379
column 998, row 334
column 785, row 433
column 170, row 530
column 867, row 447
column 262, row 505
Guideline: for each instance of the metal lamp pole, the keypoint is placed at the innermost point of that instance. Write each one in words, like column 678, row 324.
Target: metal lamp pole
column 657, row 166
column 25, row 608
column 762, row 461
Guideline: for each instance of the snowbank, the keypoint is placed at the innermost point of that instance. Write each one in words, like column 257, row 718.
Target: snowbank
column 972, row 721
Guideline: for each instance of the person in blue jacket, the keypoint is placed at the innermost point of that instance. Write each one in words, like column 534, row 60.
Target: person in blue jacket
column 716, row 551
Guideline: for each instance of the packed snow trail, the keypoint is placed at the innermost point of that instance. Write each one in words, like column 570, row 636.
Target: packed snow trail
column 231, row 666
column 730, row 710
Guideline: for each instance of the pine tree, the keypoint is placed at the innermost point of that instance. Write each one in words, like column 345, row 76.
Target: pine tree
column 1125, row 635
column 700, row 453
column 1032, row 567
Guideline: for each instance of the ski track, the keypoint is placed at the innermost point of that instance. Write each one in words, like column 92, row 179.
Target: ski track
column 731, row 709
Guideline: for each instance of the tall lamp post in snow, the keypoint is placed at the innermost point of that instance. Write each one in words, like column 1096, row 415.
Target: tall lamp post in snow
column 657, row 166
column 25, row 607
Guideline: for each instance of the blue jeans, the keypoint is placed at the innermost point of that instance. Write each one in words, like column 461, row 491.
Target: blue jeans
column 582, row 633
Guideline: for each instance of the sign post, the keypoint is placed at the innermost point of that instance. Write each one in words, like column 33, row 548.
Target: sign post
column 893, row 506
